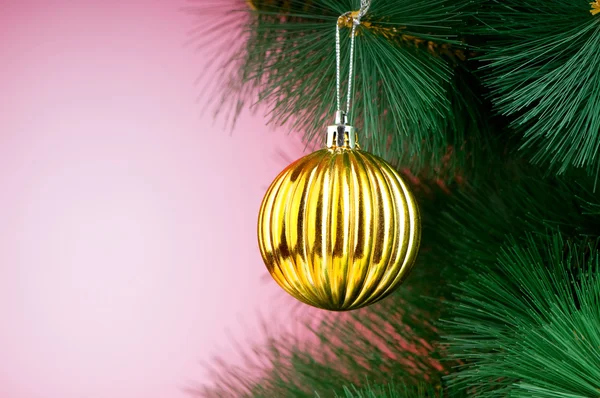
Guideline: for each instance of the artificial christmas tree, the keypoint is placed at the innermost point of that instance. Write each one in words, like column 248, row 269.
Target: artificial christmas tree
column 492, row 110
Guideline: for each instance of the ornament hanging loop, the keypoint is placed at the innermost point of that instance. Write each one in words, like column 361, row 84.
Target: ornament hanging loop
column 342, row 134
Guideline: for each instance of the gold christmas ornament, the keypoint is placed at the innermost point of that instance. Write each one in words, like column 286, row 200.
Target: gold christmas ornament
column 339, row 229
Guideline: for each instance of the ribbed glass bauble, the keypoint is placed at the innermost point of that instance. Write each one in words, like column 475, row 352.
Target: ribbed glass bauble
column 339, row 229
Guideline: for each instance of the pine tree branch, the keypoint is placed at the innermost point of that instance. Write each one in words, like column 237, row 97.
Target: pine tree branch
column 529, row 327
column 542, row 60
column 409, row 99
column 397, row 389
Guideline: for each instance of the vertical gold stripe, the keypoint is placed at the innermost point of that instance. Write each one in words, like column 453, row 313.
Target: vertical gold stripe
column 303, row 178
column 279, row 224
column 377, row 230
column 414, row 237
column 364, row 197
column 275, row 266
column 355, row 229
column 303, row 228
column 328, row 227
column 314, row 215
column 340, row 204
column 383, row 238
column 411, row 240
column 295, row 219
column 347, row 206
column 400, row 211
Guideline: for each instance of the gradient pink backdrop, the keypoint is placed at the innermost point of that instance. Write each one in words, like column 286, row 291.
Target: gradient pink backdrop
column 127, row 221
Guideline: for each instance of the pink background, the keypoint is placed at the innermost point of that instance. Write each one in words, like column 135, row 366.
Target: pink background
column 127, row 221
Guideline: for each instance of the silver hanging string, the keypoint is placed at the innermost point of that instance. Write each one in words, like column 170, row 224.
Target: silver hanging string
column 364, row 8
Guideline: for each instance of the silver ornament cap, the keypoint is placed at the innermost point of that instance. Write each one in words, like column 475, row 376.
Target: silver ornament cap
column 341, row 135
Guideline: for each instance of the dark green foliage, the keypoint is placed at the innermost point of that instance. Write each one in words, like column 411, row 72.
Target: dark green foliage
column 394, row 390
column 413, row 104
column 529, row 327
column 517, row 200
column 527, row 249
column 542, row 62
column 383, row 342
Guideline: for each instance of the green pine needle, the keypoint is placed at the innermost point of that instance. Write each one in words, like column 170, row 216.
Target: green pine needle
column 514, row 201
column 529, row 327
column 410, row 105
column 393, row 337
column 542, row 62
column 396, row 389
